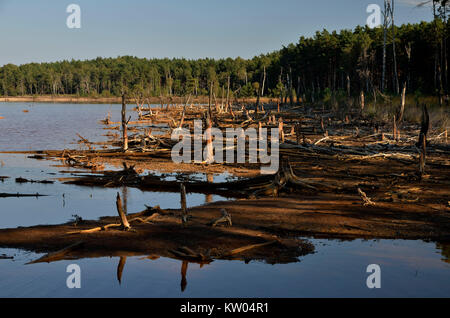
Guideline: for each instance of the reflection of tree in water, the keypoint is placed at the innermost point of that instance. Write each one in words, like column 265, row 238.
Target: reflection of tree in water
column 445, row 250
column 125, row 199
column 209, row 197
column 184, row 268
column 120, row 267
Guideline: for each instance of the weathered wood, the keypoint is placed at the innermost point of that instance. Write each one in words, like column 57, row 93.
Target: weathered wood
column 123, row 217
column 225, row 218
column 425, row 126
column 394, row 129
column 209, row 157
column 361, row 98
column 124, row 124
column 422, row 156
column 367, row 201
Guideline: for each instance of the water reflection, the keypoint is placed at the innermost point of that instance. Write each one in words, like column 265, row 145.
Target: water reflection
column 445, row 251
column 64, row 201
column 184, row 268
column 120, row 267
column 337, row 269
column 209, row 197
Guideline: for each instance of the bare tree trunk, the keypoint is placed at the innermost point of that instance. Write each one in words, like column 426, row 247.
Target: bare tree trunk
column 291, row 97
column 393, row 50
column 123, row 217
column 263, row 82
column 228, row 94
column 124, row 124
column 348, row 86
column 362, row 100
column 423, row 153
column 210, row 99
column 209, row 156
column 385, row 27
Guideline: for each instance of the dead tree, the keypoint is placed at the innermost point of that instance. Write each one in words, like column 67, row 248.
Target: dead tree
column 123, row 218
column 362, row 100
column 422, row 144
column 394, row 129
column 424, row 127
column 422, row 156
column 209, row 155
column 402, row 105
column 394, row 54
column 228, row 95
column 124, row 124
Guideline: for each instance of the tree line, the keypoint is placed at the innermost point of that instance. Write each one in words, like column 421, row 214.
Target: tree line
column 329, row 63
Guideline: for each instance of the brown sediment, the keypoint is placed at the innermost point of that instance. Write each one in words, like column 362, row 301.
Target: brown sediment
column 348, row 182
column 161, row 237
column 257, row 221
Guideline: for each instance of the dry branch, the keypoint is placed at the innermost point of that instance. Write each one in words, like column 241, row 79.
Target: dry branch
column 365, row 198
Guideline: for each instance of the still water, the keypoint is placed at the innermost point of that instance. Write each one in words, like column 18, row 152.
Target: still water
column 337, row 269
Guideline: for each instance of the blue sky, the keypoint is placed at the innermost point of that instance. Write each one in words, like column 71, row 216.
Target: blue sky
column 36, row 31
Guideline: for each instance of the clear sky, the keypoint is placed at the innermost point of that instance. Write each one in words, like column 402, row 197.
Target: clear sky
column 36, row 31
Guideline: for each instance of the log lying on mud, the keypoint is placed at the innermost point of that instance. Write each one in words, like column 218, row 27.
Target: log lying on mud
column 225, row 218
column 196, row 243
column 284, row 180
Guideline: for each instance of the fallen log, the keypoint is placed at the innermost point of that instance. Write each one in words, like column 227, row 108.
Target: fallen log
column 225, row 218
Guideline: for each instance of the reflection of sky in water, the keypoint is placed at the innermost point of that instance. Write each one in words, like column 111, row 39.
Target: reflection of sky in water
column 87, row 202
column 55, row 126
column 337, row 269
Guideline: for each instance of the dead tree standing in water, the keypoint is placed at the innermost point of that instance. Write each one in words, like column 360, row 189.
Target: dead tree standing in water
column 124, row 124
column 422, row 144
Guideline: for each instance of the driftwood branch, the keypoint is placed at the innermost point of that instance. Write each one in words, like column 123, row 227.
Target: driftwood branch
column 225, row 218
column 367, row 201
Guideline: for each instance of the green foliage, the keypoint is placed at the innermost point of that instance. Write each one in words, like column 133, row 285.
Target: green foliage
column 246, row 91
column 315, row 66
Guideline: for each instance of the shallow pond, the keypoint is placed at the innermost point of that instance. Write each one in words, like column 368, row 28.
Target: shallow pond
column 337, row 269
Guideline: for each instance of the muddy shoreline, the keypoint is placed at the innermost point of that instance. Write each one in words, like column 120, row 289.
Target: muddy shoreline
column 339, row 177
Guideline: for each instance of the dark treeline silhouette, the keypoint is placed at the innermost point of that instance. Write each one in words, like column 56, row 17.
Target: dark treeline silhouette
column 347, row 62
